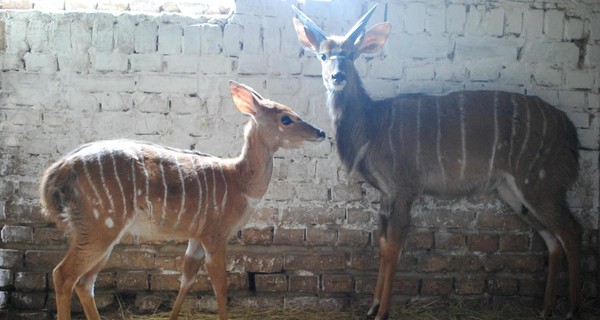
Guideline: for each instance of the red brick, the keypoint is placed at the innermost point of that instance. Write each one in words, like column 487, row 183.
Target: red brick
column 532, row 287
column 38, row 260
column 450, row 241
column 469, row 284
column 311, row 216
column 28, row 300
column 364, row 260
column 439, row 263
column 131, row 260
column 517, row 263
column 502, row 287
column 11, row 259
column 333, row 303
column 435, row 286
column 259, row 302
column 267, row 263
column 271, row 283
column 30, row 281
column 45, row 236
column 290, row 237
column 483, row 242
column 514, row 242
column 253, row 236
column 304, row 284
column 17, row 234
column 300, row 302
column 405, row 286
column 105, row 280
column 359, row 217
column 443, row 218
column 316, row 261
column 133, row 281
column 337, row 283
column 172, row 262
column 320, row 237
column 419, row 241
column 492, row 220
column 353, row 238
column 237, row 281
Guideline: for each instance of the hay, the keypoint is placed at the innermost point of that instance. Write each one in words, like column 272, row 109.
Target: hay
column 415, row 310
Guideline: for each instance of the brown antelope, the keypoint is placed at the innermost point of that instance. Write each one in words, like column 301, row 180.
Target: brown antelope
column 449, row 145
column 106, row 189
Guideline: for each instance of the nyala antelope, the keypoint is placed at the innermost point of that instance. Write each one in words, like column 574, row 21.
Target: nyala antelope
column 449, row 145
column 104, row 190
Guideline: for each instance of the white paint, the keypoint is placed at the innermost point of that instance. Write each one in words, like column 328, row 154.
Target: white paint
column 439, row 140
column 390, row 140
column 524, row 145
column 463, row 136
column 109, row 222
column 496, row 133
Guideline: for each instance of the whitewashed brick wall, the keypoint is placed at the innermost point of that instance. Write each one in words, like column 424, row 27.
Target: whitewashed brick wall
column 73, row 77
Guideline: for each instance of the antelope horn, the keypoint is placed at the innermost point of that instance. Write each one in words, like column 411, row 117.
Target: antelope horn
column 359, row 27
column 310, row 25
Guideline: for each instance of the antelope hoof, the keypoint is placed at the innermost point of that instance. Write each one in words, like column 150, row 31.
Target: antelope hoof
column 373, row 311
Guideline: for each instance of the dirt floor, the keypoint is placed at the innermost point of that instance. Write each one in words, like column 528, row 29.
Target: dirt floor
column 432, row 310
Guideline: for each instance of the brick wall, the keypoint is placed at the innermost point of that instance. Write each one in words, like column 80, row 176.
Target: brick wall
column 74, row 77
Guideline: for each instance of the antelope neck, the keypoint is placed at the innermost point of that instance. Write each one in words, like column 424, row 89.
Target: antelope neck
column 349, row 109
column 255, row 163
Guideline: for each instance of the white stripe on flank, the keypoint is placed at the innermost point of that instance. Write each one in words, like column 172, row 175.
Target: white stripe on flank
column 133, row 180
column 418, row 147
column 496, row 133
column 182, row 205
column 525, row 140
column 201, row 167
column 439, row 140
column 103, row 179
column 114, row 162
column 543, row 139
column 89, row 179
column 147, row 184
column 214, row 191
column 390, row 140
column 463, row 135
column 199, row 206
column 513, row 127
column 224, row 201
column 164, row 181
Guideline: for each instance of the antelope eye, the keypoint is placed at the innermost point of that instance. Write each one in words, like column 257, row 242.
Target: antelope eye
column 286, row 120
column 323, row 56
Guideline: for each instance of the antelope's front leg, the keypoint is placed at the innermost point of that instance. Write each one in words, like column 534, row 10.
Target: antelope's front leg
column 391, row 241
column 215, row 265
column 191, row 263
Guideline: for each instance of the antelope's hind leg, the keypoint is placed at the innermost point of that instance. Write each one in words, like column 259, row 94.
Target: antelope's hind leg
column 194, row 255
column 561, row 234
column 78, row 269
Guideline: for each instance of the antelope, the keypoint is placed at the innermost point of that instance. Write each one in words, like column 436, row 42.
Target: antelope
column 449, row 146
column 103, row 190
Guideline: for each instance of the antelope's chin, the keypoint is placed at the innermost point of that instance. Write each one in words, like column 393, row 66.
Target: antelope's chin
column 336, row 85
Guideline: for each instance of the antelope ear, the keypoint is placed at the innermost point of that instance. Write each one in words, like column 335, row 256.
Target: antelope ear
column 307, row 39
column 373, row 39
column 243, row 98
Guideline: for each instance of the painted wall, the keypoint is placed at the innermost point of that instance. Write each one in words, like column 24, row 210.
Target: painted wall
column 70, row 77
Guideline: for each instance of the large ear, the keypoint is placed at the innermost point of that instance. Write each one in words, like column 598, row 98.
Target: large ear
column 373, row 39
column 244, row 98
column 308, row 41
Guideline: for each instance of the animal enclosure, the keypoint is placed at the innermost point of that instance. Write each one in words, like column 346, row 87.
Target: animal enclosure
column 71, row 77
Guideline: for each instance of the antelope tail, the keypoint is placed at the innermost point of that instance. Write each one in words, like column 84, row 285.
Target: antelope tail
column 57, row 195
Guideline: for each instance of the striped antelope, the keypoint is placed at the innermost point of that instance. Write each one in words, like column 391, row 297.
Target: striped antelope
column 106, row 189
column 451, row 146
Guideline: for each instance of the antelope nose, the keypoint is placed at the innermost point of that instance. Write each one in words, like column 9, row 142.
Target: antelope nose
column 338, row 76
